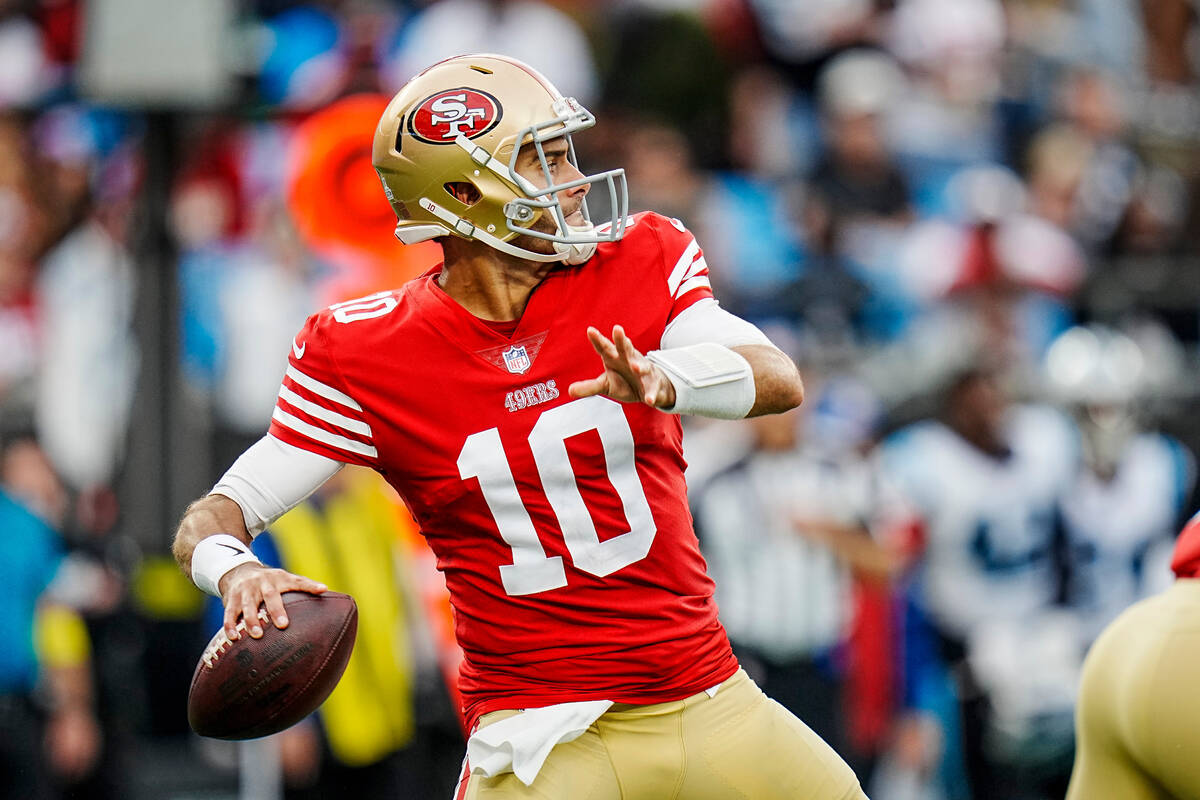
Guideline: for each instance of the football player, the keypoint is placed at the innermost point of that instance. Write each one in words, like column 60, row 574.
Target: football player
column 523, row 398
column 1136, row 718
column 1130, row 492
column 982, row 483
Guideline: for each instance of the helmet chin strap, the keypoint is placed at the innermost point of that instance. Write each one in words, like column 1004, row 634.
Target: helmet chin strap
column 576, row 252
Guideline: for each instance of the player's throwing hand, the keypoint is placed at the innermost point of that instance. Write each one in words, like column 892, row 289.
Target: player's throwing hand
column 628, row 375
column 246, row 587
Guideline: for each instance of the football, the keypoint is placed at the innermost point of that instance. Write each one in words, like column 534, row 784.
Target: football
column 249, row 688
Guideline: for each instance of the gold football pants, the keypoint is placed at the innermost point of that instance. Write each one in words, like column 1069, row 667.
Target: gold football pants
column 1138, row 719
column 738, row 745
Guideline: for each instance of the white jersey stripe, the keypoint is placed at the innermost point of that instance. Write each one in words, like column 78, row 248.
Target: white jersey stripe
column 320, row 412
column 697, row 267
column 679, row 272
column 326, row 391
column 323, row 436
column 693, row 283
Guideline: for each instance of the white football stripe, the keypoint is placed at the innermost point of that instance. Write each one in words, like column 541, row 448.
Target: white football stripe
column 324, row 437
column 681, row 266
column 694, row 283
column 320, row 412
column 326, row 391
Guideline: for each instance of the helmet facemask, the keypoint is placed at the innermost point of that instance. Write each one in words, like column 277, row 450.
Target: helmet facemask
column 573, row 244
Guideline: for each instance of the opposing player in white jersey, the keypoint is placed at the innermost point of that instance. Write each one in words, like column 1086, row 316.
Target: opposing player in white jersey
column 984, row 483
column 523, row 398
column 1127, row 500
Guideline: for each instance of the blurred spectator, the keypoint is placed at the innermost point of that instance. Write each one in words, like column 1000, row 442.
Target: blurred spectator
column 24, row 226
column 989, row 276
column 802, row 42
column 246, row 282
column 1106, row 34
column 661, row 173
column 951, row 49
column 754, row 248
column 861, row 204
column 666, row 66
column 49, row 737
column 305, row 61
column 25, row 72
column 530, row 30
column 1169, row 26
column 1095, row 105
column 85, row 291
column 855, row 177
column 984, row 482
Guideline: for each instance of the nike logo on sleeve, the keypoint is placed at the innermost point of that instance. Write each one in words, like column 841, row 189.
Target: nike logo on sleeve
column 231, row 547
column 299, row 351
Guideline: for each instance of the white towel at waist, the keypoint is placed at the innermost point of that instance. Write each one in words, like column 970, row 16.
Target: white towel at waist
column 521, row 743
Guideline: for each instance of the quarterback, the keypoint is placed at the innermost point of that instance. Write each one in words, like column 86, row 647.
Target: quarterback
column 523, row 398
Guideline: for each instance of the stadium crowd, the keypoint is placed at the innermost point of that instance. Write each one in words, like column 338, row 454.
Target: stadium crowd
column 972, row 223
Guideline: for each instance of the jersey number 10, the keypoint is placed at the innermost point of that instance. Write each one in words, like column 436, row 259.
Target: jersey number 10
column 532, row 571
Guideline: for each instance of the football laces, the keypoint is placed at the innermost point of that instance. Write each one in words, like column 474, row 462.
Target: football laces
column 216, row 648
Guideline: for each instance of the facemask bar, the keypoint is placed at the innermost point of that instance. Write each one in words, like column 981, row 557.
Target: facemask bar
column 571, row 117
column 545, row 199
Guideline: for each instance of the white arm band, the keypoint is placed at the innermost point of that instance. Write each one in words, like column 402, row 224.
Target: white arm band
column 271, row 478
column 710, row 380
column 706, row 321
column 216, row 555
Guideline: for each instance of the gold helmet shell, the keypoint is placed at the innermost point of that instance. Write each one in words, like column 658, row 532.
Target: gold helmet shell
column 464, row 120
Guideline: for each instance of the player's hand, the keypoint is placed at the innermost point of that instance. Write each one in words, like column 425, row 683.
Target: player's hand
column 247, row 586
column 628, row 375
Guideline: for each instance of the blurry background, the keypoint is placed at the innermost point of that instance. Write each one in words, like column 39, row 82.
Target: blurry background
column 973, row 223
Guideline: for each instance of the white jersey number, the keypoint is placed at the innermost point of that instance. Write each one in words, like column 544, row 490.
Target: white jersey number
column 369, row 307
column 532, row 571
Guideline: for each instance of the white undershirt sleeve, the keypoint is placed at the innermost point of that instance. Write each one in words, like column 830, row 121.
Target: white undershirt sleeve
column 706, row 321
column 271, row 478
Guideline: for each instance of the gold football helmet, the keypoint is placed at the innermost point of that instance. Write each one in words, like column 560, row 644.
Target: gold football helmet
column 464, row 120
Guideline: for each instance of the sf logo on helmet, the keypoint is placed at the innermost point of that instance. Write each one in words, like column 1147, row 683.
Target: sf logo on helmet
column 443, row 117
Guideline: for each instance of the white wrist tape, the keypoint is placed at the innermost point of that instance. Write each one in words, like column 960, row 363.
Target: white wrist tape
column 216, row 555
column 710, row 380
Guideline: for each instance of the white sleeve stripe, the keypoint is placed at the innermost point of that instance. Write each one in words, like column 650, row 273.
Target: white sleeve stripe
column 693, row 283
column 323, row 436
column 326, row 391
column 679, row 272
column 698, row 267
column 322, row 413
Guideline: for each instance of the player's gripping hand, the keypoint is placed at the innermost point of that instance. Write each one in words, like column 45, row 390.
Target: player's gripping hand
column 628, row 375
column 249, row 585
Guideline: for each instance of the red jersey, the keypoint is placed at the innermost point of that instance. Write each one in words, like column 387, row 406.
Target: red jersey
column 561, row 525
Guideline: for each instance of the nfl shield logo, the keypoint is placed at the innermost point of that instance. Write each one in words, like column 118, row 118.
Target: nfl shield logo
column 516, row 359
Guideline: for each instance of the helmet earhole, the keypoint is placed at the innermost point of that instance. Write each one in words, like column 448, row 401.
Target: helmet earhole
column 463, row 192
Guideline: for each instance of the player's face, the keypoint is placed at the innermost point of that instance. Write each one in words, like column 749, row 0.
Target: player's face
column 561, row 170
